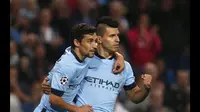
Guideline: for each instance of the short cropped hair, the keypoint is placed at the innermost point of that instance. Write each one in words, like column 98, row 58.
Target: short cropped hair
column 103, row 22
column 79, row 30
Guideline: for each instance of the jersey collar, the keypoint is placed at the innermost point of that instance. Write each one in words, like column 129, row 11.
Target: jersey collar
column 101, row 57
column 77, row 58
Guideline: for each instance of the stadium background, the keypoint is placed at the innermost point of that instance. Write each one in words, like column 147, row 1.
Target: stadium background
column 39, row 33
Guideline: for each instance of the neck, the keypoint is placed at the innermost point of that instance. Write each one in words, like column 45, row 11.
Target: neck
column 78, row 54
column 104, row 52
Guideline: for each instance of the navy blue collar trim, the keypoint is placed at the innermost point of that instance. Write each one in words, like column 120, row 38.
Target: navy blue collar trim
column 101, row 57
column 77, row 58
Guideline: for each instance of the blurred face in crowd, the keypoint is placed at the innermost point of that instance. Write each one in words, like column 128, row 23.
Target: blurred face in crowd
column 161, row 65
column 166, row 5
column 143, row 21
column 110, row 40
column 13, row 76
column 116, row 9
column 152, row 69
column 24, row 62
column 143, row 4
column 15, row 5
column 183, row 78
column 13, row 48
column 86, row 5
column 31, row 4
column 45, row 16
column 40, row 51
column 87, row 45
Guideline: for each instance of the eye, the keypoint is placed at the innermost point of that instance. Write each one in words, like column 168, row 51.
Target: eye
column 90, row 41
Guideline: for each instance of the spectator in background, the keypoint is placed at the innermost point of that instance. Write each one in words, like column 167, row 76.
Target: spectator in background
column 40, row 64
column 61, row 21
column 178, row 95
column 135, row 8
column 43, row 27
column 27, row 45
column 144, row 42
column 36, row 94
column 14, row 9
column 47, row 34
column 21, row 24
column 166, row 75
column 83, row 12
column 119, row 107
column 30, row 9
column 26, row 75
column 172, row 32
column 14, row 56
column 117, row 11
column 14, row 86
column 15, row 104
column 156, row 102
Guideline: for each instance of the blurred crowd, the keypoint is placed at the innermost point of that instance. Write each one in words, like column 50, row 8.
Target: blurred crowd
column 154, row 37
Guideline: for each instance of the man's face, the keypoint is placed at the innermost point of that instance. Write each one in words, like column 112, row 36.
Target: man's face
column 88, row 45
column 110, row 40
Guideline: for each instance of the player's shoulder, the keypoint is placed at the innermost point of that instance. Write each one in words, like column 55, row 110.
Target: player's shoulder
column 128, row 66
column 67, row 55
column 127, row 63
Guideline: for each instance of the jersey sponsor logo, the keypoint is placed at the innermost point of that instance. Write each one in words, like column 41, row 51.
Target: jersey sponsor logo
column 102, row 82
column 63, row 80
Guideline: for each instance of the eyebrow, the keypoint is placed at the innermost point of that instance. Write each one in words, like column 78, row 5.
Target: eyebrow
column 114, row 34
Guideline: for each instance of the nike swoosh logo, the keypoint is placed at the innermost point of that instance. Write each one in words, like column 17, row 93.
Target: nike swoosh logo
column 91, row 67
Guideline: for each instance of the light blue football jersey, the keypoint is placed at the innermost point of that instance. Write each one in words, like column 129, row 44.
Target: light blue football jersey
column 65, row 78
column 100, row 87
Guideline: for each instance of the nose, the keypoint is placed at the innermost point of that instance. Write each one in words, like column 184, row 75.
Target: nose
column 95, row 45
column 117, row 39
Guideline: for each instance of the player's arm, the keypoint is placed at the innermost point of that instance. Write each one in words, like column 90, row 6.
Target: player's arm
column 138, row 94
column 59, row 102
column 119, row 63
column 46, row 87
column 59, row 85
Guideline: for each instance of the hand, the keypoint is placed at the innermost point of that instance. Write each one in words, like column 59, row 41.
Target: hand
column 46, row 88
column 146, row 80
column 119, row 64
column 85, row 108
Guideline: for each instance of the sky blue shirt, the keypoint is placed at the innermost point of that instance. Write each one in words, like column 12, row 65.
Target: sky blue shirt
column 65, row 78
column 101, row 87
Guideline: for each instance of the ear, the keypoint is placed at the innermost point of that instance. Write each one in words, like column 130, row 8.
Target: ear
column 76, row 43
column 99, row 39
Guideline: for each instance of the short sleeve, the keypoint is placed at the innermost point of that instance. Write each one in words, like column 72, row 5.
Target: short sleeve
column 60, row 80
column 130, row 78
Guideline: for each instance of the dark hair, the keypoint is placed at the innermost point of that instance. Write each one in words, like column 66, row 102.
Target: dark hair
column 79, row 30
column 103, row 22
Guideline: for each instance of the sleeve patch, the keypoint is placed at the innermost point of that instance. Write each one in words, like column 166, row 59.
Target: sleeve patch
column 63, row 80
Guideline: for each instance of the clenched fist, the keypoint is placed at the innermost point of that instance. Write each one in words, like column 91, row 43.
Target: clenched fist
column 146, row 80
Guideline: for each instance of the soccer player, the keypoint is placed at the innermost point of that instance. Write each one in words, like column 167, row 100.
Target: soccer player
column 69, row 71
column 100, row 86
